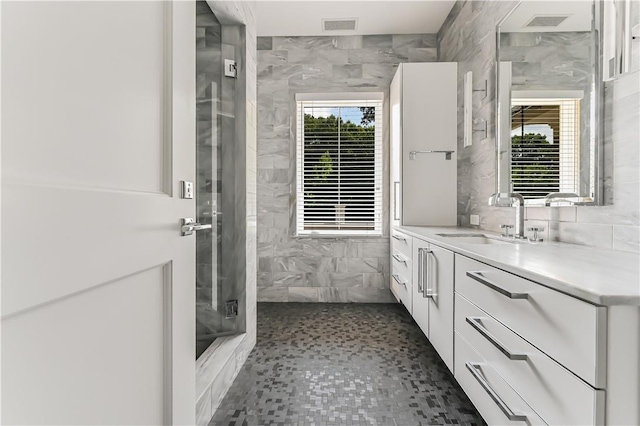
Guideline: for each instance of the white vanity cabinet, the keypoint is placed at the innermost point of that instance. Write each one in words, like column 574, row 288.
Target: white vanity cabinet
column 559, row 354
column 433, row 296
column 401, row 268
column 422, row 280
column 423, row 119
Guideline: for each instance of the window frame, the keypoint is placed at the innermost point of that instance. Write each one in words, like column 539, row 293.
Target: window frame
column 327, row 100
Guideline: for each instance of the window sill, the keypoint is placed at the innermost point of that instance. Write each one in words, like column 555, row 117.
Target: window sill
column 339, row 236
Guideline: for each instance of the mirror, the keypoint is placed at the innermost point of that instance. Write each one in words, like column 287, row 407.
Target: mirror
column 549, row 103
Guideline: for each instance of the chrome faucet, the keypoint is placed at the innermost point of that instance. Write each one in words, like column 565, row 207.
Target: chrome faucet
column 511, row 199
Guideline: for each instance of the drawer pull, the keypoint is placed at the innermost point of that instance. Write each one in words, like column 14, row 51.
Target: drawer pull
column 426, row 288
column 493, row 286
column 514, row 417
column 399, row 238
column 475, row 323
column 397, row 278
column 399, row 259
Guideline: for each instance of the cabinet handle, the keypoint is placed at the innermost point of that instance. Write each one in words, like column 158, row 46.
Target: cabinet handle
column 399, row 238
column 426, row 288
column 396, row 206
column 475, row 323
column 493, row 286
column 420, row 270
column 397, row 278
column 473, row 369
column 399, row 259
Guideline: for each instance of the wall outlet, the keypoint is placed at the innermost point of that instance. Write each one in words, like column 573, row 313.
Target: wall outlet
column 475, row 219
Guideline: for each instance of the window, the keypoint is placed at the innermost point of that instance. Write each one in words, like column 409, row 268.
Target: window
column 339, row 164
column 545, row 146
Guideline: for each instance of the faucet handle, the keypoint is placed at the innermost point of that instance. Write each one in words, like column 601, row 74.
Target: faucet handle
column 535, row 230
column 507, row 228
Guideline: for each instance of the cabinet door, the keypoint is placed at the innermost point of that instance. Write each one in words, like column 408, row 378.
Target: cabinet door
column 395, row 107
column 420, row 301
column 429, row 123
column 439, row 274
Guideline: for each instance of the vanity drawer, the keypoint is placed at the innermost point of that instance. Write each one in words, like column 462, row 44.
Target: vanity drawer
column 401, row 287
column 479, row 380
column 570, row 331
column 402, row 263
column 401, row 243
column 557, row 395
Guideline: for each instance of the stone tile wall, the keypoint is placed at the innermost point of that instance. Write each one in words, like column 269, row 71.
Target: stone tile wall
column 468, row 37
column 292, row 269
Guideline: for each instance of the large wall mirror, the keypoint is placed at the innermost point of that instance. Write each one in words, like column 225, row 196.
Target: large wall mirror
column 549, row 103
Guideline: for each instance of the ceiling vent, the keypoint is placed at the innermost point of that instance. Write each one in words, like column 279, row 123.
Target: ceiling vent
column 547, row 21
column 339, row 24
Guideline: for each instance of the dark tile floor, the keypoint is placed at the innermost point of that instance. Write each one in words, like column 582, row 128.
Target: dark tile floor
column 343, row 364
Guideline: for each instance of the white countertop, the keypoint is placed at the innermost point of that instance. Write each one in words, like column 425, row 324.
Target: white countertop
column 602, row 277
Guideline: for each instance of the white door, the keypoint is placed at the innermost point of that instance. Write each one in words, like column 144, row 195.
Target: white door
column 98, row 122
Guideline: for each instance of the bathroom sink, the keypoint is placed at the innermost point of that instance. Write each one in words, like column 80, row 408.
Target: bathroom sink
column 477, row 238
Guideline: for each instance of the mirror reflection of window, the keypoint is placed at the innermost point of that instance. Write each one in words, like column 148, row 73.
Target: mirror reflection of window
column 548, row 55
column 545, row 146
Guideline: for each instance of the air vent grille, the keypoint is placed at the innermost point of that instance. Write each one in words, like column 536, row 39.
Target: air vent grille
column 339, row 24
column 546, row 21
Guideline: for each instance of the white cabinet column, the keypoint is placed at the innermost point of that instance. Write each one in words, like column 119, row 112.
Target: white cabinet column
column 423, row 124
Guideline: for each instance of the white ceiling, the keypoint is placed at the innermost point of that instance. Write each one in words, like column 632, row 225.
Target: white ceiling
column 579, row 19
column 304, row 17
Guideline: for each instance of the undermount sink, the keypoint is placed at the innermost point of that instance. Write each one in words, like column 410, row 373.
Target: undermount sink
column 477, row 238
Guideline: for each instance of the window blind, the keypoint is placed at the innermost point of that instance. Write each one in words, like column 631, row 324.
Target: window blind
column 339, row 167
column 545, row 146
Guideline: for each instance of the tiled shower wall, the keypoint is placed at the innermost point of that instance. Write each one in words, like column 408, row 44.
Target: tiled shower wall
column 215, row 374
column 215, row 190
column 319, row 269
column 468, row 37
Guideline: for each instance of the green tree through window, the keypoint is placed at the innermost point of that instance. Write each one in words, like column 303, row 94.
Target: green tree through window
column 339, row 163
column 535, row 168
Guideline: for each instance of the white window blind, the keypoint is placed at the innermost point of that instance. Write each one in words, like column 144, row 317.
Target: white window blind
column 339, row 166
column 545, row 146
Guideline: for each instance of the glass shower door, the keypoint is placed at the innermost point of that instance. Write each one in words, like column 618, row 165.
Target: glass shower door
column 214, row 292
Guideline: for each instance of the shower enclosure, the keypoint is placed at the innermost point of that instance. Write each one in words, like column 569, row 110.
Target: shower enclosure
column 216, row 299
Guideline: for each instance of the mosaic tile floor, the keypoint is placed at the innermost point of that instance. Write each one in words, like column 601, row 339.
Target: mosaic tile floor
column 343, row 364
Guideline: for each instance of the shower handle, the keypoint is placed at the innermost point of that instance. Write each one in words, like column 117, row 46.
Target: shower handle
column 189, row 225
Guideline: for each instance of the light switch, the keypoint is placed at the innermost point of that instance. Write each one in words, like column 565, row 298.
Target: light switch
column 474, row 219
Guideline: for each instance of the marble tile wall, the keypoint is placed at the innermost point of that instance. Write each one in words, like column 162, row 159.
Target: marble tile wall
column 292, row 269
column 239, row 244
column 468, row 37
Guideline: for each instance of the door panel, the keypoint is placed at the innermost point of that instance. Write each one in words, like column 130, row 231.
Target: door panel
column 77, row 335
column 429, row 181
column 97, row 283
column 440, row 279
column 102, row 95
column 395, row 123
